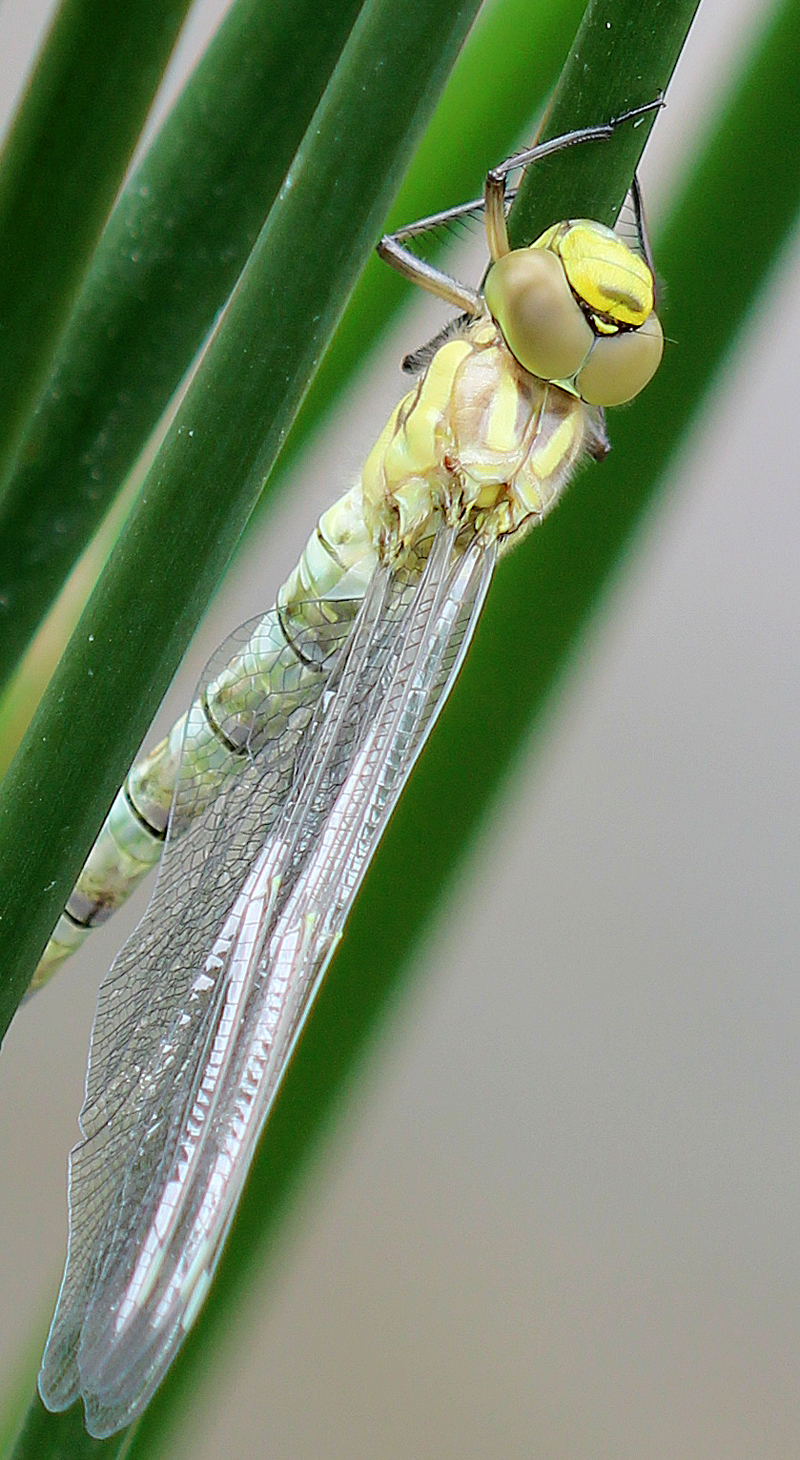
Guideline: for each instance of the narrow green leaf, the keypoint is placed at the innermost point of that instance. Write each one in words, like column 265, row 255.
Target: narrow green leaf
column 622, row 58
column 67, row 150
column 65, row 1439
column 168, row 259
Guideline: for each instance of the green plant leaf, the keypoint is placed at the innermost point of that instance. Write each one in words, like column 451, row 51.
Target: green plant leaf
column 616, row 64
column 62, row 1437
column 66, row 153
column 168, row 259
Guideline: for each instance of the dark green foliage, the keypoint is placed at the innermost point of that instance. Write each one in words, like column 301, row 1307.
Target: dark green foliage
column 64, row 158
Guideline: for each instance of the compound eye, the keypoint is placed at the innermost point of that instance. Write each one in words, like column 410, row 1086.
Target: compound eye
column 612, row 281
column 619, row 366
column 529, row 297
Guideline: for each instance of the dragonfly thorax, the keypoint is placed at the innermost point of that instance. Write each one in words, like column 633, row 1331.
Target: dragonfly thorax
column 480, row 441
column 576, row 309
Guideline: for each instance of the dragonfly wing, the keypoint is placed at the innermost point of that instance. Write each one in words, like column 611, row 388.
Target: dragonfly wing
column 153, row 1012
column 156, row 1181
column 395, row 718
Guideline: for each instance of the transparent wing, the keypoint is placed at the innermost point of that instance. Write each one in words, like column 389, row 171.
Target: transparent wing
column 198, row 1016
column 149, row 1014
column 152, row 1016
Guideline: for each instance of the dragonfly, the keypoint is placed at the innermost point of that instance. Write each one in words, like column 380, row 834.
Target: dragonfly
column 265, row 803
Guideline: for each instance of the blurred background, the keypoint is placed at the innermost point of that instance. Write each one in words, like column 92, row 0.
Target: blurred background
column 557, row 1214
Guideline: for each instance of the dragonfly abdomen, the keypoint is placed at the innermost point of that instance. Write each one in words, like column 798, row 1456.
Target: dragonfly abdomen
column 289, row 651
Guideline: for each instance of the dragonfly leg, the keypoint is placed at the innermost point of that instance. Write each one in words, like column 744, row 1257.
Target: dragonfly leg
column 393, row 251
column 393, row 246
column 495, row 198
column 642, row 229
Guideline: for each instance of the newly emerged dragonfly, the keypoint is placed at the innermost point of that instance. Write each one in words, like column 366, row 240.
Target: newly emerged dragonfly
column 274, row 789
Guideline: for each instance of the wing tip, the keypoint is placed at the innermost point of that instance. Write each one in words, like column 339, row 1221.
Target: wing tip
column 58, row 1383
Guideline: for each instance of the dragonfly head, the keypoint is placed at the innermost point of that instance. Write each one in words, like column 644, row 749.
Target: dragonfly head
column 576, row 309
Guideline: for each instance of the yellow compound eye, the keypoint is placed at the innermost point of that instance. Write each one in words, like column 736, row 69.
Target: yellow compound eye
column 528, row 294
column 611, row 279
column 619, row 366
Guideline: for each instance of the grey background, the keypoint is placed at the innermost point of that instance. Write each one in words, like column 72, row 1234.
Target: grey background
column 558, row 1214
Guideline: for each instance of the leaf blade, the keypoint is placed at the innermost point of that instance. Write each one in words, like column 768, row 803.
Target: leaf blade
column 165, row 265
column 68, row 147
